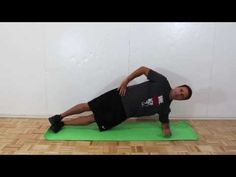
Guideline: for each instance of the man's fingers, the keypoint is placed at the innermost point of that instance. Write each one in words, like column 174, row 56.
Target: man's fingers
column 120, row 92
column 124, row 92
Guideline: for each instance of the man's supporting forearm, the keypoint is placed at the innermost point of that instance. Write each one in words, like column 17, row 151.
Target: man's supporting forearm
column 165, row 125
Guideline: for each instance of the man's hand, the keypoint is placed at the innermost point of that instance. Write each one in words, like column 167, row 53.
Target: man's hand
column 166, row 130
column 123, row 87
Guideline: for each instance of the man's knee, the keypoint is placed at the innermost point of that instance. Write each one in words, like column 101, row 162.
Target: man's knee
column 91, row 119
column 85, row 107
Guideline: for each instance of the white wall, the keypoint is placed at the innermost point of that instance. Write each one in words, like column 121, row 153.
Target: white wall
column 48, row 67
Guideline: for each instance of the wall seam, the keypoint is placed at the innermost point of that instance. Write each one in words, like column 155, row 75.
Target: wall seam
column 211, row 70
column 45, row 69
column 129, row 50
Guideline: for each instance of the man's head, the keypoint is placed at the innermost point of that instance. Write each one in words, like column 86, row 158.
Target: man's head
column 183, row 92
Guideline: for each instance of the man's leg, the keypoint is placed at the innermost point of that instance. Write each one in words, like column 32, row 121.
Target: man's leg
column 82, row 120
column 56, row 121
column 77, row 109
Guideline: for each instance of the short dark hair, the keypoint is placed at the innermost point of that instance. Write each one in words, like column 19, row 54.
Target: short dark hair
column 189, row 91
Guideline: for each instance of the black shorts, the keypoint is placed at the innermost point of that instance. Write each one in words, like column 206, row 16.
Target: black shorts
column 108, row 110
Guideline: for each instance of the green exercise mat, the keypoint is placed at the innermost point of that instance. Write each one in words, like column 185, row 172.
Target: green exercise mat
column 126, row 131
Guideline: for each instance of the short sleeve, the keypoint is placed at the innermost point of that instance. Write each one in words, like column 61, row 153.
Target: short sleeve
column 155, row 76
column 164, row 118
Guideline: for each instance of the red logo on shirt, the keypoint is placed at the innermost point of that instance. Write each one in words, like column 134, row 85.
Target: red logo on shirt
column 154, row 101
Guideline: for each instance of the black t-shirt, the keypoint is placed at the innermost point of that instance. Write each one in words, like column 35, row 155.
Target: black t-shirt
column 149, row 98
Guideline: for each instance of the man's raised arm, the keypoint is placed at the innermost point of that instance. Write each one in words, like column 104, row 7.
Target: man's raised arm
column 138, row 72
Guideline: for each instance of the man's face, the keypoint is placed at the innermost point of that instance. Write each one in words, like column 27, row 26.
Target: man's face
column 180, row 93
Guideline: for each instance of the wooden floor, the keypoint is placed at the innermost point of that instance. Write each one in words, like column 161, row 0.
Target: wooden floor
column 25, row 136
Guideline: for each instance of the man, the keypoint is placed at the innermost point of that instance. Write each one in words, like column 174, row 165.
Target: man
column 113, row 107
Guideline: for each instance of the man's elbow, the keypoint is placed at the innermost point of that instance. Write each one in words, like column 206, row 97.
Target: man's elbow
column 145, row 70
